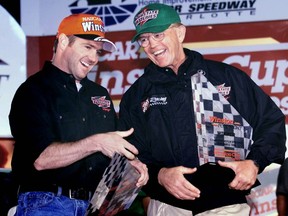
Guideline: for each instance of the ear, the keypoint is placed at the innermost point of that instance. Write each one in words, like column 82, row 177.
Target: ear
column 63, row 41
column 181, row 31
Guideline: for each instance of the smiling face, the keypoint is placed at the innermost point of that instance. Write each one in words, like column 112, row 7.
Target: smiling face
column 77, row 56
column 169, row 51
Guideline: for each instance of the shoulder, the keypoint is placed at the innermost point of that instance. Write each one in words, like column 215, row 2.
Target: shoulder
column 223, row 72
column 34, row 83
column 136, row 88
column 222, row 67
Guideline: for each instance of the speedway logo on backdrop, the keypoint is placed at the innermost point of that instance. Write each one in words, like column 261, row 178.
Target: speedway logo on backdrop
column 118, row 14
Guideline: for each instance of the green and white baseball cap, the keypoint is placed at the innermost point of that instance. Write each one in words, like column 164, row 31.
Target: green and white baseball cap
column 154, row 18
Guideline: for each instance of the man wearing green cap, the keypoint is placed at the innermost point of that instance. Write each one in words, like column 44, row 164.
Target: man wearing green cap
column 160, row 107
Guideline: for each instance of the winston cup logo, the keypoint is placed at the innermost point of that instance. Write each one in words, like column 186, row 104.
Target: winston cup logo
column 145, row 16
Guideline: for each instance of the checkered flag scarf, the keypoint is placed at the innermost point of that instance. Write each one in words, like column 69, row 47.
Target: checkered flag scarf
column 222, row 133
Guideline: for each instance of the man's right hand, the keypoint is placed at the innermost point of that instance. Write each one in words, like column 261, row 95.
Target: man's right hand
column 175, row 183
column 111, row 142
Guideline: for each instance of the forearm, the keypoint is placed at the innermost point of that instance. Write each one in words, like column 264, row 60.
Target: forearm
column 59, row 155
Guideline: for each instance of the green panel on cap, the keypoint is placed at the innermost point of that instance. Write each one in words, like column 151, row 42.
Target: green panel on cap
column 154, row 18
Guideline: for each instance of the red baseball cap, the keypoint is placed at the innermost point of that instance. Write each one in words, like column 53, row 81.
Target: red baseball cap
column 86, row 26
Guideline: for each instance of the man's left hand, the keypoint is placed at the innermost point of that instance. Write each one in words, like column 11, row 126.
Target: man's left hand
column 143, row 170
column 245, row 173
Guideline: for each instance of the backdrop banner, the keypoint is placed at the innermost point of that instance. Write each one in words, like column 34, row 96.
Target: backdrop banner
column 43, row 17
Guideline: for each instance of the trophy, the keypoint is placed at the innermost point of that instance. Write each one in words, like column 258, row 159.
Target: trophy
column 117, row 189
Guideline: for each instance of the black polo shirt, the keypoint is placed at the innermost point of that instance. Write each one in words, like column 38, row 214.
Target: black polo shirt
column 48, row 108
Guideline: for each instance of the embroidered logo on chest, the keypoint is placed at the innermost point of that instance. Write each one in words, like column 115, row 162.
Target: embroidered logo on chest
column 145, row 105
column 101, row 102
column 155, row 100
column 224, row 91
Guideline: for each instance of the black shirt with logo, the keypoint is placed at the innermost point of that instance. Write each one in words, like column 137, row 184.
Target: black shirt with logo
column 48, row 108
column 159, row 106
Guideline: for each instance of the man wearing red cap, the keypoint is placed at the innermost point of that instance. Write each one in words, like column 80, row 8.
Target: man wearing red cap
column 174, row 138
column 64, row 125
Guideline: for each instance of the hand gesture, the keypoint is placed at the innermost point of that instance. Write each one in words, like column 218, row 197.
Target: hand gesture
column 246, row 173
column 175, row 183
column 111, row 142
column 142, row 169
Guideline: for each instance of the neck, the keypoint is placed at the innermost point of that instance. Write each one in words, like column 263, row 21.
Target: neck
column 179, row 63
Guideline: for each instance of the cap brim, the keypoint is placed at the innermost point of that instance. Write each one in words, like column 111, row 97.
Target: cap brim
column 107, row 44
column 151, row 29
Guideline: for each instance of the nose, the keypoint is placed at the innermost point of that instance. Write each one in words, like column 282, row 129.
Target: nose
column 93, row 56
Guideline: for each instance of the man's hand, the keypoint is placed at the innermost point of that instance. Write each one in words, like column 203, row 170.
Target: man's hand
column 175, row 183
column 111, row 142
column 246, row 173
column 142, row 169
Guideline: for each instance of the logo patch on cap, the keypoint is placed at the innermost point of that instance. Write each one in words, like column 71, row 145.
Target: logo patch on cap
column 154, row 18
column 89, row 25
column 145, row 16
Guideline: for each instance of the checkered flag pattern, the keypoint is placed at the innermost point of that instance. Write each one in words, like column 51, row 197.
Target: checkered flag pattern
column 117, row 189
column 222, row 133
column 114, row 170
